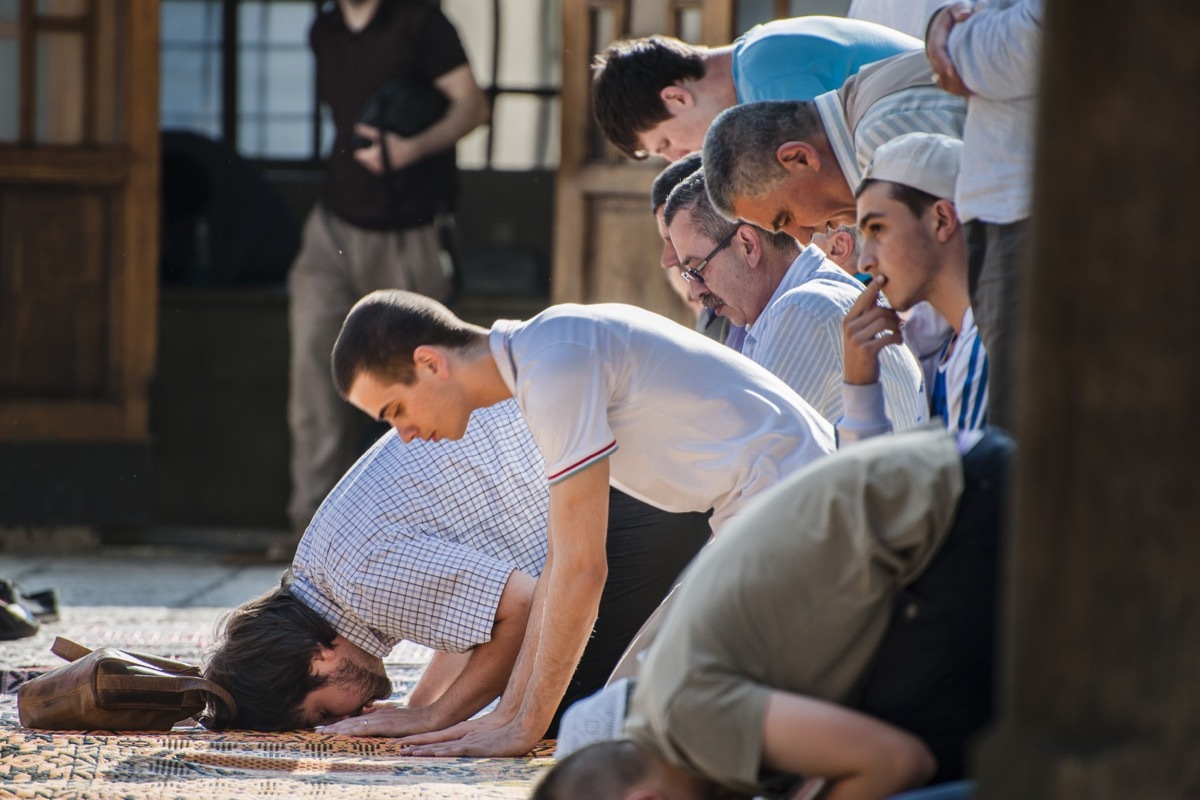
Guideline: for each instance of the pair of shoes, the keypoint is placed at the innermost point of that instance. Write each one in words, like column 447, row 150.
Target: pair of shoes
column 16, row 621
column 22, row 614
column 42, row 605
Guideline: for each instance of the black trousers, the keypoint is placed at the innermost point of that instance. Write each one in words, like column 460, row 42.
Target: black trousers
column 934, row 674
column 647, row 549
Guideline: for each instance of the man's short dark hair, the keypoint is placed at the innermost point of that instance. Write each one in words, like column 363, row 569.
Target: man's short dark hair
column 382, row 331
column 263, row 657
column 627, row 79
column 671, row 177
column 691, row 195
column 916, row 200
column 596, row 772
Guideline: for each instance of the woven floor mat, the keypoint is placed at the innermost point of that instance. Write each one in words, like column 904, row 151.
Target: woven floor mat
column 238, row 765
column 194, row 763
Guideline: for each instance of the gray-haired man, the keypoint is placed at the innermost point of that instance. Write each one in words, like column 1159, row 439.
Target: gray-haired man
column 794, row 166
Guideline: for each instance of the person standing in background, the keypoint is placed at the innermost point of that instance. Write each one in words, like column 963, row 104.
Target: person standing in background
column 380, row 220
column 990, row 55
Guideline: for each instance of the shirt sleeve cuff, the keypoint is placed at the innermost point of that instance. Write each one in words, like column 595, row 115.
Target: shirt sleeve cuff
column 864, row 413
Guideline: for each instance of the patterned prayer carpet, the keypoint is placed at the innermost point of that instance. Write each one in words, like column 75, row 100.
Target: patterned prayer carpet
column 190, row 762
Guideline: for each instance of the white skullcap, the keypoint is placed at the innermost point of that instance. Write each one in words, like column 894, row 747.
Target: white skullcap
column 925, row 161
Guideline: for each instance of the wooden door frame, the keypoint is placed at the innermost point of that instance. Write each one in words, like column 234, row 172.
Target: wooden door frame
column 130, row 169
column 580, row 177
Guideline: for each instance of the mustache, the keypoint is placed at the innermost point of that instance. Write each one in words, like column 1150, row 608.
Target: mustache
column 710, row 300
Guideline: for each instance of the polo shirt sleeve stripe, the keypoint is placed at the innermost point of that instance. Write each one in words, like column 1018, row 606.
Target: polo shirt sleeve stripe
column 583, row 463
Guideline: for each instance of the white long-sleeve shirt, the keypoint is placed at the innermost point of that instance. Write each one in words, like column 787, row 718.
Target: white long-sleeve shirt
column 996, row 52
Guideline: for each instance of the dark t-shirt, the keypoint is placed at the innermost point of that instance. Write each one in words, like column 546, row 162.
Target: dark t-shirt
column 405, row 38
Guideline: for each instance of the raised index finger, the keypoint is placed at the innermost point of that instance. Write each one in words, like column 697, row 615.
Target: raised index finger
column 868, row 299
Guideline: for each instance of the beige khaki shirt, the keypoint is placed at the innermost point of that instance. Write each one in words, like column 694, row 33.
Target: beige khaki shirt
column 794, row 596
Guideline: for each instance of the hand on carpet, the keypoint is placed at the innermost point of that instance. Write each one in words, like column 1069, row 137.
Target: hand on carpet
column 506, row 741
column 382, row 720
column 489, row 735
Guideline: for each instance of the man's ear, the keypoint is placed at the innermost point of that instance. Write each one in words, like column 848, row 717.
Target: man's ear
column 325, row 657
column 945, row 220
column 841, row 244
column 749, row 239
column 798, row 155
column 431, row 358
column 675, row 97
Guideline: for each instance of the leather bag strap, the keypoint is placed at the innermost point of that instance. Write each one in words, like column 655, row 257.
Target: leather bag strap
column 73, row 651
column 165, row 683
column 68, row 650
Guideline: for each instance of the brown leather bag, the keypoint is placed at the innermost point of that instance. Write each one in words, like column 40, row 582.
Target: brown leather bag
column 114, row 690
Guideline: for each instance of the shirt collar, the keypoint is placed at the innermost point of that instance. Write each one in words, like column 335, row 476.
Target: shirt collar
column 500, row 344
column 808, row 262
column 841, row 138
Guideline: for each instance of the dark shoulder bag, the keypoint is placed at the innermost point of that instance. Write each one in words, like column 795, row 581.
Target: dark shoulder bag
column 404, row 106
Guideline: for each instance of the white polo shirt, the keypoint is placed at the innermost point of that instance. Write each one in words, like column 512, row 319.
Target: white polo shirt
column 688, row 424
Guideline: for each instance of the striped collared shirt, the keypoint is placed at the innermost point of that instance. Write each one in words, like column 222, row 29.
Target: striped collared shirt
column 960, row 388
column 884, row 100
column 798, row 337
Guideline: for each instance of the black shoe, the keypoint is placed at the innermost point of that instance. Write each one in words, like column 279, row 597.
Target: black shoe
column 16, row 622
column 21, row 614
column 43, row 605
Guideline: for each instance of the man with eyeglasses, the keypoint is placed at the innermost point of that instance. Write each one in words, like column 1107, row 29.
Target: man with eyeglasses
column 610, row 393
column 791, row 300
column 708, row 323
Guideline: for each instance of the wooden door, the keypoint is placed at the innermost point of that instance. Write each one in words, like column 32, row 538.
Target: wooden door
column 606, row 247
column 78, row 218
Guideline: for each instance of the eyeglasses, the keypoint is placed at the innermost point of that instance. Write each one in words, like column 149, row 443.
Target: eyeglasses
column 693, row 274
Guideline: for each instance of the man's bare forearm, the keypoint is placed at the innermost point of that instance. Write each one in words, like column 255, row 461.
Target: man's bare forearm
column 440, row 675
column 460, row 684
column 485, row 675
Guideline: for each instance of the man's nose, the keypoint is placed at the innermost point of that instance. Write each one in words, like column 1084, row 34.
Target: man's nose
column 866, row 260
column 406, row 432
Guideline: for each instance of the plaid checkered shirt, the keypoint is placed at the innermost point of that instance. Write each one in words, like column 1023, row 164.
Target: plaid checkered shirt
column 417, row 541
